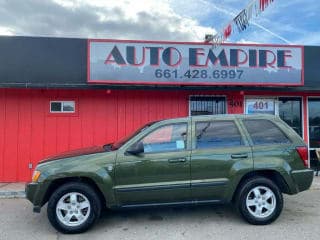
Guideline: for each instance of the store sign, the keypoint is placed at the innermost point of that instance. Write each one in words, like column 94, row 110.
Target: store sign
column 136, row 62
column 260, row 106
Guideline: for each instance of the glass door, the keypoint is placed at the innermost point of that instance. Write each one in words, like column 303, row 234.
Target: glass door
column 260, row 105
column 290, row 112
column 314, row 129
column 288, row 109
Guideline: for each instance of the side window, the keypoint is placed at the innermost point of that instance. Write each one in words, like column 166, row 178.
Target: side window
column 167, row 138
column 62, row 106
column 265, row 132
column 217, row 134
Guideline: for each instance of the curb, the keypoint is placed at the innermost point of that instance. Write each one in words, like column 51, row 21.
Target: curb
column 316, row 187
column 12, row 194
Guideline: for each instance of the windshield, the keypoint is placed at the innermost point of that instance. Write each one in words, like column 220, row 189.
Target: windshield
column 125, row 139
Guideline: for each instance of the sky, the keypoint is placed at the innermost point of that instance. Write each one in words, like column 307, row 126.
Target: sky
column 283, row 22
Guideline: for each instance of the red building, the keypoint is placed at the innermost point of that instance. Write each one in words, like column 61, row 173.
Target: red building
column 60, row 94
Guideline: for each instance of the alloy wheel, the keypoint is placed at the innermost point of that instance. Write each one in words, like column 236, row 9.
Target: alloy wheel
column 73, row 209
column 261, row 202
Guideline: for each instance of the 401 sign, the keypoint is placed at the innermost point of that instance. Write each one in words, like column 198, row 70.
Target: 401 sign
column 260, row 106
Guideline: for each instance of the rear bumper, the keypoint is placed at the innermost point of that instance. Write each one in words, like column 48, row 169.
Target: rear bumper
column 302, row 179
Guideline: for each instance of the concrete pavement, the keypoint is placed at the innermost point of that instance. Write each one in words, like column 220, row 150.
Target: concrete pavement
column 299, row 220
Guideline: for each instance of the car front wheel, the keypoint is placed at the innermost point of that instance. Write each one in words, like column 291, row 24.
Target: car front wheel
column 259, row 201
column 73, row 208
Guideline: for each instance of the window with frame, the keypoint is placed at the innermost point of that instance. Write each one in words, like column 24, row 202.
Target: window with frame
column 265, row 132
column 217, row 134
column 207, row 105
column 171, row 137
column 62, row 106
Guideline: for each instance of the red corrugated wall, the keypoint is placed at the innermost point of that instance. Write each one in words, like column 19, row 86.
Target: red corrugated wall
column 29, row 132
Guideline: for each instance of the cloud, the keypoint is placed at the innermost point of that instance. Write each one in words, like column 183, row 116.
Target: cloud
column 312, row 38
column 242, row 40
column 151, row 20
column 6, row 31
column 292, row 21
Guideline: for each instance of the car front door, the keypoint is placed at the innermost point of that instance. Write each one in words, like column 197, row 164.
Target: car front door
column 220, row 154
column 160, row 174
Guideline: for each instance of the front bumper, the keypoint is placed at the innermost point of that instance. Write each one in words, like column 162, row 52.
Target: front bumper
column 302, row 179
column 35, row 194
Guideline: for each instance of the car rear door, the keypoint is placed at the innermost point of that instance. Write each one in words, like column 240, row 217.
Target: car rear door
column 220, row 155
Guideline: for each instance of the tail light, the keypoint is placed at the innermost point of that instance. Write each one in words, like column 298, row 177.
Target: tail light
column 303, row 153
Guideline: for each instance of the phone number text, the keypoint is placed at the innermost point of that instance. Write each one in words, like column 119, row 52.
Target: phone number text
column 196, row 73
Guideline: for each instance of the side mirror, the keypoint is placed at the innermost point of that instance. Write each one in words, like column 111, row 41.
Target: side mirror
column 136, row 149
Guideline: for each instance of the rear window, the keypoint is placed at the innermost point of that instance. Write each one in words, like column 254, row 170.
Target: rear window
column 217, row 134
column 264, row 132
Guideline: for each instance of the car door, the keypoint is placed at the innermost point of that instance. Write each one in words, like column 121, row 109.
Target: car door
column 220, row 154
column 161, row 174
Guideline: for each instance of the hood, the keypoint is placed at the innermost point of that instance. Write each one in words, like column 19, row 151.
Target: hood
column 75, row 153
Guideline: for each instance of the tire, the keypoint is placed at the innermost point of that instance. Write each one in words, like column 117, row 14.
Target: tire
column 73, row 208
column 259, row 201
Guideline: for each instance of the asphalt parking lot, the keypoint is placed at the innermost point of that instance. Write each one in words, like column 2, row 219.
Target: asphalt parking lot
column 300, row 219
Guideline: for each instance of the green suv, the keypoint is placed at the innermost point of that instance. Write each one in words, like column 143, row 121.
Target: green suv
column 247, row 160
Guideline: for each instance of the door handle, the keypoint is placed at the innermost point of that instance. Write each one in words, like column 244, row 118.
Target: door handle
column 177, row 160
column 243, row 155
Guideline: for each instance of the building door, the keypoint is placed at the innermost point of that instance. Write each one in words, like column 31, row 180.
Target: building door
column 287, row 108
column 314, row 128
column 290, row 112
column 207, row 105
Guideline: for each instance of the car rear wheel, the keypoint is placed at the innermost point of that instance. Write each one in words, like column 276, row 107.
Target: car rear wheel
column 259, row 201
column 73, row 208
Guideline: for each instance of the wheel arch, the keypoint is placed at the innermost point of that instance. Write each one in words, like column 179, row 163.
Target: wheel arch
column 272, row 175
column 56, row 183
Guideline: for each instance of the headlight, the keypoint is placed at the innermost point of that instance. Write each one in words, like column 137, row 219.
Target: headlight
column 35, row 176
